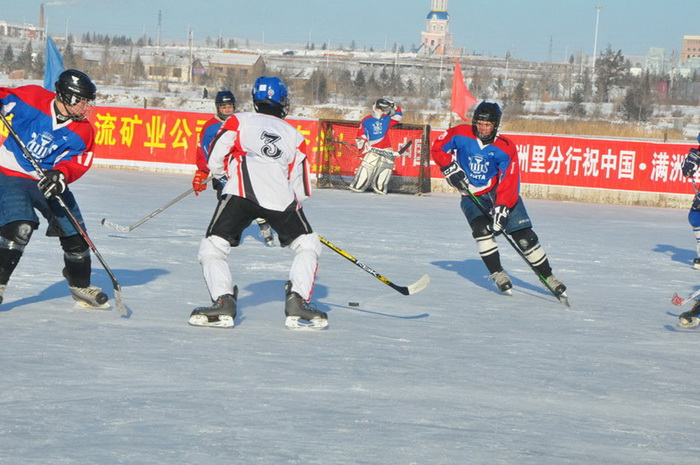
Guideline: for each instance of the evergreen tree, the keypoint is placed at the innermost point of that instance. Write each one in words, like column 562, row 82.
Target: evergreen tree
column 610, row 71
column 8, row 59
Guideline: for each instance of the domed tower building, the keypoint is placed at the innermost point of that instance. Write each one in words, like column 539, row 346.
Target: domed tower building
column 436, row 40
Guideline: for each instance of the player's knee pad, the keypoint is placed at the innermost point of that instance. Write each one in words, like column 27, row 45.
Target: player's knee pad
column 213, row 247
column 481, row 227
column 307, row 242
column 525, row 238
column 16, row 235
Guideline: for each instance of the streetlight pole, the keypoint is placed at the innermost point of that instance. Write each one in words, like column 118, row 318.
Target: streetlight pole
column 595, row 40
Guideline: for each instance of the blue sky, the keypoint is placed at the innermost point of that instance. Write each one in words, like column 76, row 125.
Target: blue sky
column 531, row 30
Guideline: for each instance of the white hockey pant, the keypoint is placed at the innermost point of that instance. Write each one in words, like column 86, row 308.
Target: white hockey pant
column 382, row 171
column 365, row 172
column 307, row 249
column 213, row 254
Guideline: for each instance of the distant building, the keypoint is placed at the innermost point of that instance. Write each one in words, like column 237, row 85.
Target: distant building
column 21, row 31
column 690, row 48
column 655, row 60
column 436, row 39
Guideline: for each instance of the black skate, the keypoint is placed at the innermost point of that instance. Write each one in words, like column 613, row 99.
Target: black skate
column 221, row 314
column 690, row 318
column 696, row 263
column 502, row 282
column 300, row 315
column 2, row 291
column 89, row 297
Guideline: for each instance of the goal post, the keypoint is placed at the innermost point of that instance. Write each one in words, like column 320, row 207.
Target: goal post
column 339, row 157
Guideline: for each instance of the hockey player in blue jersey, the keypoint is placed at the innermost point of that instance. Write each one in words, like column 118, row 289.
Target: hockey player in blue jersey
column 55, row 130
column 689, row 169
column 225, row 103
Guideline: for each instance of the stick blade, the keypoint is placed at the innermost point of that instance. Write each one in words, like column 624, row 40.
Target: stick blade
column 419, row 285
column 114, row 226
column 119, row 301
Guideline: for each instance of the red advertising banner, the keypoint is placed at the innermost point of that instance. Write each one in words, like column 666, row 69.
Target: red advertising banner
column 159, row 138
column 167, row 139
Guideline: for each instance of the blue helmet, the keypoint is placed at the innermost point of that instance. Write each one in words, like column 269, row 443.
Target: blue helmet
column 270, row 94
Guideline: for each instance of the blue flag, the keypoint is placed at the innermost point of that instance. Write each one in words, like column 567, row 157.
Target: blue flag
column 54, row 65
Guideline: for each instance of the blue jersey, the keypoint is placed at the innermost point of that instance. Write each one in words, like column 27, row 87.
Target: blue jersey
column 374, row 130
column 488, row 167
column 209, row 130
column 66, row 146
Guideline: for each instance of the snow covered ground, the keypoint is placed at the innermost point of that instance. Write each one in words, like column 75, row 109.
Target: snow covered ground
column 456, row 374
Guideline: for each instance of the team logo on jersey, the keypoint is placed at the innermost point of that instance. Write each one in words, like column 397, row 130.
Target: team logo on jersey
column 377, row 127
column 41, row 145
column 478, row 166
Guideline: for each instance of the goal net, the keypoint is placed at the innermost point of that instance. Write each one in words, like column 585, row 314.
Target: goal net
column 339, row 157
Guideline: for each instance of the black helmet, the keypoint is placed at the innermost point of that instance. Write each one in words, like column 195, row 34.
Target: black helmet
column 224, row 97
column 73, row 86
column 491, row 112
column 384, row 105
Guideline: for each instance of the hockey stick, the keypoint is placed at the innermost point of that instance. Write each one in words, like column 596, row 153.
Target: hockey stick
column 418, row 286
column 120, row 228
column 678, row 300
column 385, row 152
column 562, row 298
column 115, row 284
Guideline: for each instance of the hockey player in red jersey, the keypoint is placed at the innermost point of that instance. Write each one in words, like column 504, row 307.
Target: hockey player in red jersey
column 475, row 158
column 266, row 177
column 55, row 131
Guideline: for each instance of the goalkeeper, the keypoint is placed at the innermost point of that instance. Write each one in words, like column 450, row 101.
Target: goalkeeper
column 377, row 165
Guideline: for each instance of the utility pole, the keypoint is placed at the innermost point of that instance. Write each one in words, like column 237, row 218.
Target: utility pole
column 595, row 40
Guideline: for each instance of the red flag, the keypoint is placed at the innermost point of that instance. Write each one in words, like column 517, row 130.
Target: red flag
column 461, row 100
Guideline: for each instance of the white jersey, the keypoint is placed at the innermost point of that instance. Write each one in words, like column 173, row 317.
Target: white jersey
column 264, row 158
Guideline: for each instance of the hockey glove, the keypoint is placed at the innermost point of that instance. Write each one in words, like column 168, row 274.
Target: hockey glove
column 455, row 176
column 198, row 183
column 52, row 184
column 500, row 219
column 691, row 163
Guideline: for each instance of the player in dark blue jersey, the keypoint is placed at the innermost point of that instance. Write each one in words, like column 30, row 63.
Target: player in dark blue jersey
column 225, row 103
column 478, row 158
column 55, row 130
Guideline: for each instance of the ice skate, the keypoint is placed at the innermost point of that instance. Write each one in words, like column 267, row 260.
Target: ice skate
column 266, row 234
column 300, row 315
column 696, row 263
column 690, row 318
column 2, row 291
column 557, row 286
column 221, row 314
column 502, row 282
column 89, row 297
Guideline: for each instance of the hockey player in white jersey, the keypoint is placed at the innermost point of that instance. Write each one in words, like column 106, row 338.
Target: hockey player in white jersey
column 267, row 177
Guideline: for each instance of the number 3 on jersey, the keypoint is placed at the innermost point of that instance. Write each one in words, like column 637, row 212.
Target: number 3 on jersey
column 269, row 149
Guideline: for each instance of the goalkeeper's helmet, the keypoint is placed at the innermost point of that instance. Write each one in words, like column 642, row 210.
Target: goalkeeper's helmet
column 270, row 96
column 224, row 98
column 383, row 105
column 77, row 92
column 491, row 112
